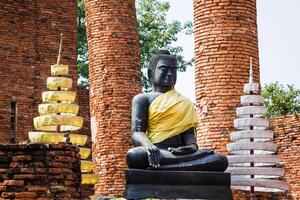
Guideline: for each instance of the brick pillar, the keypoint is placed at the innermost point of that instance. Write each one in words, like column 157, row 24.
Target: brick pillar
column 114, row 80
column 225, row 38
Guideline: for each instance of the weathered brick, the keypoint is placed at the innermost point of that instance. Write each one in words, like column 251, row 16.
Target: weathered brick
column 13, row 182
column 22, row 158
column 25, row 194
column 55, row 170
column 24, row 176
column 55, row 164
column 69, row 177
column 40, row 170
column 3, row 188
column 66, row 171
column 17, row 164
column 27, row 198
column 7, row 194
column 37, row 189
column 26, row 170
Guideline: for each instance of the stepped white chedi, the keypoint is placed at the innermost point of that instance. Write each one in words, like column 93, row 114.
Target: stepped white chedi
column 253, row 163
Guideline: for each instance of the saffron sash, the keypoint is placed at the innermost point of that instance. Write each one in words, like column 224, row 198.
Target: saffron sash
column 169, row 115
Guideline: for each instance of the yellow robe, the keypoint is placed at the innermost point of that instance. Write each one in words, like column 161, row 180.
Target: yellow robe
column 169, row 115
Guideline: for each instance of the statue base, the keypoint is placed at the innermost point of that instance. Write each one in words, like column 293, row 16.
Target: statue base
column 141, row 184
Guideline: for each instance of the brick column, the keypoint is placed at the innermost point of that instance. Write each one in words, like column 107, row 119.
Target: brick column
column 225, row 38
column 114, row 80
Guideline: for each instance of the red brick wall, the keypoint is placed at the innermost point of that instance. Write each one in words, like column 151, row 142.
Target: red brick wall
column 287, row 136
column 225, row 38
column 38, row 171
column 114, row 80
column 29, row 41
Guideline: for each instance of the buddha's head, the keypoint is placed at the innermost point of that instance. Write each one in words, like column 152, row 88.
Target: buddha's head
column 162, row 70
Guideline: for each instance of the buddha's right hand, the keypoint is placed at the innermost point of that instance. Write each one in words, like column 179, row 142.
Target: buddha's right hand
column 153, row 155
column 183, row 150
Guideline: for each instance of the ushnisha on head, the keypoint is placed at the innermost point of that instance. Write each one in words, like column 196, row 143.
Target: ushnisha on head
column 162, row 70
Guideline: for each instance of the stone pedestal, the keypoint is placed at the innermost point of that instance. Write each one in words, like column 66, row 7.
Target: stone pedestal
column 142, row 184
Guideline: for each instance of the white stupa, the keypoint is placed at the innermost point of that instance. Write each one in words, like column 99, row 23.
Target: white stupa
column 58, row 121
column 252, row 161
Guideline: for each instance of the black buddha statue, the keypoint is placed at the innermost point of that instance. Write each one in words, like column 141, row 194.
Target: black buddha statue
column 163, row 125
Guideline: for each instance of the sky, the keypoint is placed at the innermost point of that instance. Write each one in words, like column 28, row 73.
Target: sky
column 278, row 38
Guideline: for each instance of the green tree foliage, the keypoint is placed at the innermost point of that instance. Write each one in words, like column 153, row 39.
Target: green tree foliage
column 82, row 50
column 154, row 33
column 279, row 100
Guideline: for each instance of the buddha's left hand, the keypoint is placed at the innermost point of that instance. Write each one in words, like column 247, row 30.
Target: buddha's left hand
column 182, row 150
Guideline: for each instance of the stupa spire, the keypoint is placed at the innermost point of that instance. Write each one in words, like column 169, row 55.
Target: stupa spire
column 251, row 71
column 60, row 49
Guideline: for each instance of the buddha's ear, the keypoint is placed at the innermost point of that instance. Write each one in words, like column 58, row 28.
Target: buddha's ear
column 150, row 76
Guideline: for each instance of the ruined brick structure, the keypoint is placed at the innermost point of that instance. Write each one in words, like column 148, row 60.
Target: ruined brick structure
column 39, row 171
column 29, row 44
column 114, row 80
column 287, row 136
column 225, row 38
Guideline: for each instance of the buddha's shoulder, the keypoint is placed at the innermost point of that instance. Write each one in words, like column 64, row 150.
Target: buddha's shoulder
column 141, row 98
column 145, row 98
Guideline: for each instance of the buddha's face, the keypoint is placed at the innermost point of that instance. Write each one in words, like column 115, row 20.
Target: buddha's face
column 165, row 73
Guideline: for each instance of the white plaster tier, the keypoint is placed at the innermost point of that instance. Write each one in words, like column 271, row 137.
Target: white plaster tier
column 268, row 171
column 236, row 159
column 268, row 183
column 78, row 139
column 46, row 137
column 50, row 122
column 257, row 189
column 64, row 83
column 251, row 88
column 86, row 166
column 247, row 134
column 245, row 123
column 84, row 152
column 89, row 178
column 54, row 96
column 246, row 100
column 59, row 70
column 268, row 147
column 48, row 108
column 246, row 111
